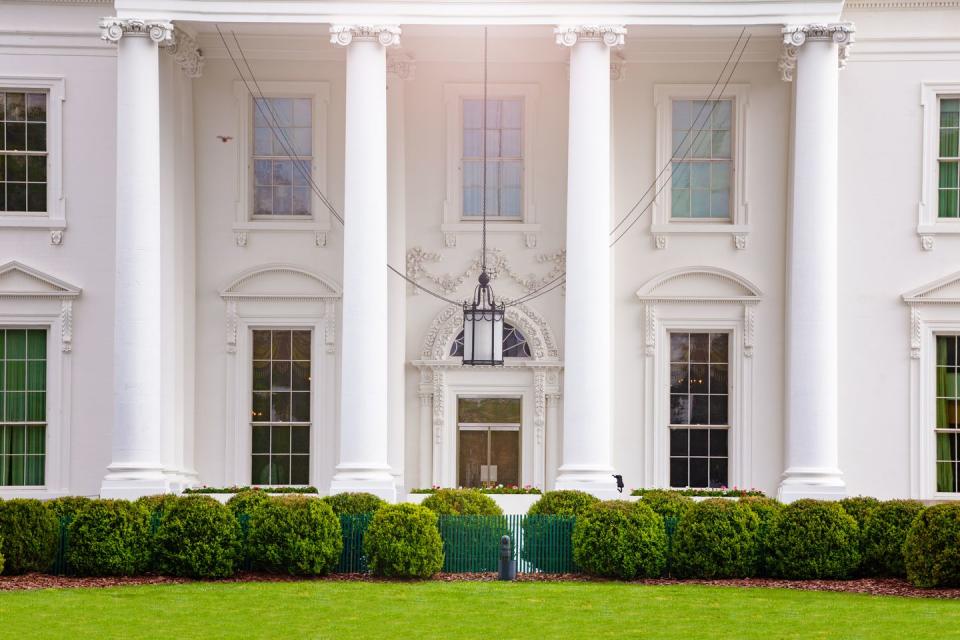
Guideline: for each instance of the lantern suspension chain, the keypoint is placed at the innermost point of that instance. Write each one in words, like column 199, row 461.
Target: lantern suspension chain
column 483, row 230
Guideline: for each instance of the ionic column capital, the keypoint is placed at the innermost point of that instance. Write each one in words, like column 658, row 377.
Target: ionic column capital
column 160, row 31
column 611, row 35
column 344, row 34
column 795, row 36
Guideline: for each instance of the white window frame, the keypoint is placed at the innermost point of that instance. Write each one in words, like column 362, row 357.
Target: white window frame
column 934, row 310
column 737, row 225
column 251, row 303
column 318, row 221
column 49, row 306
column 54, row 219
column 453, row 221
column 930, row 224
column 730, row 308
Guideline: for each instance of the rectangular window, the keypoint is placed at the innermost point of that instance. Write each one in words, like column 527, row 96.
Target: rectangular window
column 702, row 159
column 504, row 194
column 699, row 404
column 282, row 156
column 281, row 407
column 948, row 417
column 23, row 406
column 949, row 159
column 23, row 151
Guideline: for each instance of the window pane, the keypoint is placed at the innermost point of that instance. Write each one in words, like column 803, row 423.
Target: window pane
column 261, row 439
column 261, row 407
column 280, row 407
column 262, row 141
column 280, row 439
column 36, row 440
column 260, row 470
column 718, row 472
column 949, row 207
column 679, row 347
column 263, row 201
column 16, row 168
column 679, row 409
column 699, row 409
column 512, row 174
column 699, row 347
column 718, row 442
column 721, row 114
column 280, row 469
column 36, row 169
column 302, row 112
column 718, row 378
column 281, row 345
column 16, row 375
column 680, row 203
column 721, row 144
column 718, row 347
column 280, row 376
column 949, row 175
column 300, row 345
column 678, row 472
column 300, row 470
column 36, row 406
column 948, row 143
column 36, row 136
column 679, row 383
column 472, row 116
column 300, row 407
column 512, row 114
column 698, row 472
column 261, row 375
column 679, row 442
column 300, row 439
column 301, row 376
column 36, row 375
column 511, row 144
column 16, row 106
column 680, row 175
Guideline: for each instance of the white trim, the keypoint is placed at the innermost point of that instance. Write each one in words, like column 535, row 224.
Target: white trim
column 452, row 221
column 55, row 218
column 738, row 224
column 934, row 310
column 928, row 224
column 319, row 220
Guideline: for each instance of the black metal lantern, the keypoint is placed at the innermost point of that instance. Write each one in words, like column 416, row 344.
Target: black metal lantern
column 483, row 318
column 483, row 326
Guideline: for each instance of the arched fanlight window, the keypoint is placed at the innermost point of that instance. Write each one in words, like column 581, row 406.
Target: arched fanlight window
column 514, row 343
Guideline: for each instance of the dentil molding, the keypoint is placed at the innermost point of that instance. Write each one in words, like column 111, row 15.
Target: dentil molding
column 497, row 266
column 610, row 35
column 795, row 36
column 344, row 34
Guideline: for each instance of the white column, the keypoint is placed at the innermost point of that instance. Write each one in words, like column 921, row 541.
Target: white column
column 399, row 70
column 364, row 434
column 136, row 466
column 812, row 469
column 586, row 399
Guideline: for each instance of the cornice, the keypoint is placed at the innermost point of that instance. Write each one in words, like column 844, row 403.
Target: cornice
column 902, row 4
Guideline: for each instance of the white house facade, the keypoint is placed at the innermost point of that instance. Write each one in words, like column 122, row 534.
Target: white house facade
column 235, row 236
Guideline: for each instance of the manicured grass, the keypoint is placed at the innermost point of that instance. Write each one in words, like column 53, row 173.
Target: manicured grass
column 466, row 610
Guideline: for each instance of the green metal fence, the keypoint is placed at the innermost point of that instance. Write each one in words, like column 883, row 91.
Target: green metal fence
column 352, row 559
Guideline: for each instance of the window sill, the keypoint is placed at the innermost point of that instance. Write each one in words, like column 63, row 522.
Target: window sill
column 242, row 230
column 528, row 229
column 26, row 221
column 927, row 231
column 662, row 231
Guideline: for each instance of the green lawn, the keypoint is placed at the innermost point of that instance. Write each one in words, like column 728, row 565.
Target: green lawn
column 466, row 610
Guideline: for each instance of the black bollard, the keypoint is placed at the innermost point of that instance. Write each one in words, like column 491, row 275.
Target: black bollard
column 508, row 566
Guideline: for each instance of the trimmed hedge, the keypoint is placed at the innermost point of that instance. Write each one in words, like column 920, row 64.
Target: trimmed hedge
column 159, row 504
column 462, row 502
column 353, row 504
column 620, row 539
column 1, row 556
column 860, row 508
column 67, row 506
column 245, row 502
column 667, row 503
column 932, row 550
column 884, row 535
column 29, row 533
column 767, row 510
column 402, row 541
column 198, row 538
column 811, row 540
column 716, row 539
column 295, row 535
column 109, row 538
column 563, row 503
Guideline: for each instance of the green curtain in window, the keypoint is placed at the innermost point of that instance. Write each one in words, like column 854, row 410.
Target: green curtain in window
column 945, row 472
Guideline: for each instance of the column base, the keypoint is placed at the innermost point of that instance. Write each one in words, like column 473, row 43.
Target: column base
column 129, row 482
column 598, row 482
column 811, row 482
column 355, row 479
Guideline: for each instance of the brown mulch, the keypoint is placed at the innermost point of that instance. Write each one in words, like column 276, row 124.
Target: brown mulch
column 871, row 586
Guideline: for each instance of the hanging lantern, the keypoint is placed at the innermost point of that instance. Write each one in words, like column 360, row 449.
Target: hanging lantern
column 483, row 327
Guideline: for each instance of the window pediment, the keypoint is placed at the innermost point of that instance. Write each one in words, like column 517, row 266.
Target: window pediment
column 281, row 281
column 699, row 284
column 17, row 280
column 944, row 290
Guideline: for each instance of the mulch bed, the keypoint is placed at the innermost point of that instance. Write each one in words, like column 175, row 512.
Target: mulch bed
column 871, row 586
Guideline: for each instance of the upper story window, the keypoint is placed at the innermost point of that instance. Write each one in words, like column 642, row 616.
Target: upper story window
column 23, row 151
column 504, row 153
column 23, row 406
column 282, row 157
column 701, row 159
column 949, row 159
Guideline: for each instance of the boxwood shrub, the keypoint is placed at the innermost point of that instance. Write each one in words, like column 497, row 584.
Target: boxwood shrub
column 158, row 505
column 402, row 541
column 30, row 534
column 716, row 539
column 462, row 502
column 67, row 506
column 811, row 539
column 563, row 503
column 884, row 535
column 295, row 535
column 246, row 501
column 109, row 538
column 198, row 538
column 932, row 550
column 353, row 504
column 859, row 507
column 667, row 503
column 619, row 539
column 767, row 510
